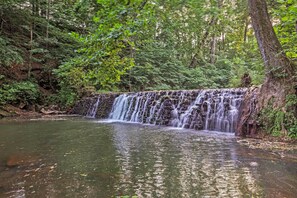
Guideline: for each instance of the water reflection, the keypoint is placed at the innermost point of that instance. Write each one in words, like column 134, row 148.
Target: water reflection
column 159, row 164
column 79, row 158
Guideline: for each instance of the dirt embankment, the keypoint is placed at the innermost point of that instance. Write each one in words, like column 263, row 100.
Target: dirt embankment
column 12, row 111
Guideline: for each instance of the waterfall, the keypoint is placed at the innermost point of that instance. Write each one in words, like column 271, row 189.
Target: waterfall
column 91, row 113
column 215, row 110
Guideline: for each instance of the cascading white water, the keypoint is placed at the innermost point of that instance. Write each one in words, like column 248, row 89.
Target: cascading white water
column 197, row 109
column 93, row 109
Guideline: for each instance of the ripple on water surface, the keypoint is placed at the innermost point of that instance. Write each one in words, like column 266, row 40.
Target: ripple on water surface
column 81, row 158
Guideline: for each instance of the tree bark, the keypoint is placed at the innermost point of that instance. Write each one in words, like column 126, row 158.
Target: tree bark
column 279, row 71
column 246, row 29
column 280, row 74
column 213, row 49
column 194, row 59
column 31, row 47
column 274, row 58
column 47, row 22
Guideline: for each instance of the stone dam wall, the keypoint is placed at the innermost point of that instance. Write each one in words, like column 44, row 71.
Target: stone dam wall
column 213, row 109
column 87, row 106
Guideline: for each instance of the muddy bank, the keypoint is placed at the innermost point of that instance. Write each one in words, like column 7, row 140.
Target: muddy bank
column 284, row 149
column 10, row 111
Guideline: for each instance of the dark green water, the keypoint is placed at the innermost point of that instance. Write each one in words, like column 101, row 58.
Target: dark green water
column 84, row 158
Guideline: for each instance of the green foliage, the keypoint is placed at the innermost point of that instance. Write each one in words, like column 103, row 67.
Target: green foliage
column 70, row 88
column 272, row 121
column 140, row 45
column 9, row 54
column 240, row 66
column 143, row 45
column 195, row 78
column 286, row 13
column 278, row 122
column 291, row 107
column 293, row 129
column 30, row 39
column 19, row 92
column 65, row 98
column 107, row 53
column 169, row 56
column 156, row 68
column 291, row 101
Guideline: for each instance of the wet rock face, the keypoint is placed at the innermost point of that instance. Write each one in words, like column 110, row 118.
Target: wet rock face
column 247, row 124
column 97, row 106
column 21, row 160
column 196, row 109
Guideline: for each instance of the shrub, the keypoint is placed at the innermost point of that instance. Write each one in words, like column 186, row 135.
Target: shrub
column 275, row 121
column 19, row 92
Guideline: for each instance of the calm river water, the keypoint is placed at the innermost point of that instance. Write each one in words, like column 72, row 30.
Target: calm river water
column 75, row 157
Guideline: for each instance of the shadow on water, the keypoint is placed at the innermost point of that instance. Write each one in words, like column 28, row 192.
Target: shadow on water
column 81, row 158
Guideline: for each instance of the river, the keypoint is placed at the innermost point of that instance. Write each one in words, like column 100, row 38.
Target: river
column 77, row 157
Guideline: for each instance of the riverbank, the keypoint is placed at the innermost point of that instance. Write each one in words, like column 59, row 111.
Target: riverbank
column 280, row 148
column 100, row 105
column 10, row 111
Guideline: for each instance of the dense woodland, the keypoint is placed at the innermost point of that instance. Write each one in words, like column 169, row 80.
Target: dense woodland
column 55, row 51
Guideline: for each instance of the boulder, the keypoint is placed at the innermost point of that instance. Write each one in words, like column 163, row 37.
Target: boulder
column 21, row 160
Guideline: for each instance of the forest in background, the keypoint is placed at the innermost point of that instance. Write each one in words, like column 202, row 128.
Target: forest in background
column 54, row 51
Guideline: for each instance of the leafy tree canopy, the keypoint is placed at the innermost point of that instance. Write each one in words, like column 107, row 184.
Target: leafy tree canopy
column 133, row 45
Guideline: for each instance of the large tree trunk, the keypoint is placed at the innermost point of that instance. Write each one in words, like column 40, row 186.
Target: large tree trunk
column 270, row 47
column 279, row 77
